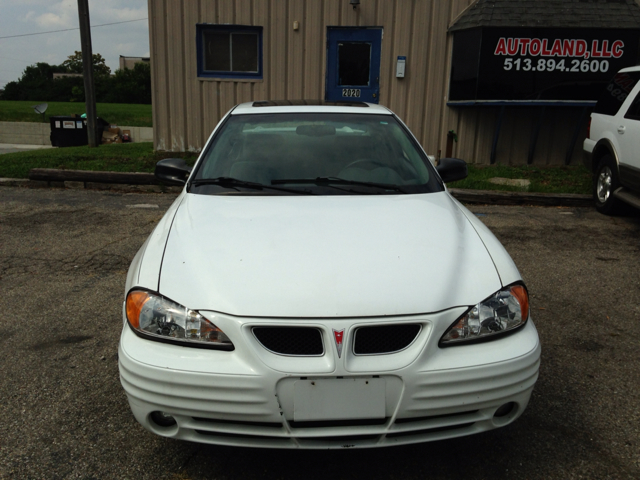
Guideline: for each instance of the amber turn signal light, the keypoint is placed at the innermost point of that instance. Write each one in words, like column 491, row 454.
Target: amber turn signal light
column 135, row 301
column 521, row 294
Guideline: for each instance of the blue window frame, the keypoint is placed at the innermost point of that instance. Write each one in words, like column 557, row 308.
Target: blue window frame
column 229, row 51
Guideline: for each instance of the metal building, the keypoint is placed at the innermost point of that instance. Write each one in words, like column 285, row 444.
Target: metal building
column 506, row 101
column 130, row 62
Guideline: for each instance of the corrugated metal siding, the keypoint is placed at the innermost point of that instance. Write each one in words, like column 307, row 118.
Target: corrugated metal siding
column 186, row 109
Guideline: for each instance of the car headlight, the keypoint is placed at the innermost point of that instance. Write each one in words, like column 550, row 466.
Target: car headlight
column 158, row 318
column 503, row 312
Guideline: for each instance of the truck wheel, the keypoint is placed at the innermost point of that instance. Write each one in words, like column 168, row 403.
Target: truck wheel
column 605, row 182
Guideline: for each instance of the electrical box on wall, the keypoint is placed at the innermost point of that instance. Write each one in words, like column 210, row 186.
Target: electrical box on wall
column 400, row 67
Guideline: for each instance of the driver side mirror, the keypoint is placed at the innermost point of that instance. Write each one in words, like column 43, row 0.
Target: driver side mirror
column 173, row 171
column 452, row 169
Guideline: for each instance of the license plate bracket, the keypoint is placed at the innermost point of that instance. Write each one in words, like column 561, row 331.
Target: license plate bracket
column 339, row 399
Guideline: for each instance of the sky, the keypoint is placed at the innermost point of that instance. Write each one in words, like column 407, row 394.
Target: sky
column 20, row 17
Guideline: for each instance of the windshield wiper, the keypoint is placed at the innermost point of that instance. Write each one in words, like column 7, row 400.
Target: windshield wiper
column 330, row 181
column 236, row 182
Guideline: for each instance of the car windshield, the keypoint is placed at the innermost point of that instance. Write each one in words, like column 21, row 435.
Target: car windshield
column 313, row 153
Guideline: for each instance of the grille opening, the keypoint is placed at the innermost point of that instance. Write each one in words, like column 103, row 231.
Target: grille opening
column 384, row 338
column 338, row 423
column 295, row 341
column 345, row 439
column 433, row 417
column 429, row 430
column 243, row 435
column 239, row 422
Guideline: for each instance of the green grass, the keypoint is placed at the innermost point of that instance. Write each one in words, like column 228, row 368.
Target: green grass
column 571, row 179
column 114, row 113
column 123, row 157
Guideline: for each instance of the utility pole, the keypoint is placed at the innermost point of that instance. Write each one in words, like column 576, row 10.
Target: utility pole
column 87, row 71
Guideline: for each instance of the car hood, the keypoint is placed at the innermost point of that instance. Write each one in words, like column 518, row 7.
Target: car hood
column 325, row 256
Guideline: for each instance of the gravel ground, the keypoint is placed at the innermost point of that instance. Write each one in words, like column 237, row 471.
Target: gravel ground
column 63, row 261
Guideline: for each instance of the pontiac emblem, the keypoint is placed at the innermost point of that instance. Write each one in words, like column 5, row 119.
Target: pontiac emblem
column 338, row 337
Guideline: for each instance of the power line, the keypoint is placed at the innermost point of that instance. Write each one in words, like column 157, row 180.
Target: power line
column 76, row 28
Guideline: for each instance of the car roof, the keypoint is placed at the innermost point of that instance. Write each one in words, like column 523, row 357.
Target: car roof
column 308, row 106
column 630, row 69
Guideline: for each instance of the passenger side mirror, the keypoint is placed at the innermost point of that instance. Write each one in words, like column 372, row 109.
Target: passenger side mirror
column 452, row 169
column 173, row 171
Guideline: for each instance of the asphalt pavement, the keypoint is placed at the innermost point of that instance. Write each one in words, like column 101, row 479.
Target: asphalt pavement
column 63, row 261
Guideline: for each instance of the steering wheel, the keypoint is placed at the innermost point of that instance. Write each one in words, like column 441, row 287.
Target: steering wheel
column 368, row 161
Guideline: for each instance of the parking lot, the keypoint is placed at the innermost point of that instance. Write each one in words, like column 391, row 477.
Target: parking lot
column 63, row 261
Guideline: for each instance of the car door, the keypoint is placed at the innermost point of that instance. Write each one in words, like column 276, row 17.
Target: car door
column 627, row 130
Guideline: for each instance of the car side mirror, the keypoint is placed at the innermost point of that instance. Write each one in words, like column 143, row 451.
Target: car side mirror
column 173, row 171
column 452, row 169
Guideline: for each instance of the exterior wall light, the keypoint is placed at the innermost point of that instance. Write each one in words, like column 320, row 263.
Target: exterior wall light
column 355, row 3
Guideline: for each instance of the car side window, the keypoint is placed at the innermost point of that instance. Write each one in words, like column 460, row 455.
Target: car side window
column 633, row 113
column 612, row 98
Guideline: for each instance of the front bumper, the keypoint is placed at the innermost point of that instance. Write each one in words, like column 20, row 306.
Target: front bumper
column 246, row 397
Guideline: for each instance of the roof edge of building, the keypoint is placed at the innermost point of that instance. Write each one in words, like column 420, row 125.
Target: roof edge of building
column 624, row 14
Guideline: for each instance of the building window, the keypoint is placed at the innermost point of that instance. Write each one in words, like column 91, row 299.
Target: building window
column 229, row 51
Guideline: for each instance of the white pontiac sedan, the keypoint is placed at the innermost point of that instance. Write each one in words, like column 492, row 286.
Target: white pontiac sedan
column 315, row 285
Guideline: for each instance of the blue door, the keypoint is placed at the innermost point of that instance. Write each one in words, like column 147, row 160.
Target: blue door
column 353, row 64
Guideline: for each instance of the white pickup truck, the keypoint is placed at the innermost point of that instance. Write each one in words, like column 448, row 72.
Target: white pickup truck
column 612, row 146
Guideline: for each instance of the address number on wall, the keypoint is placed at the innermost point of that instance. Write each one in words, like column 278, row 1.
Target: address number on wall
column 351, row 92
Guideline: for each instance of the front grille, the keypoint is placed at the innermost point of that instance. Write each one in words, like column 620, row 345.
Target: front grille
column 433, row 417
column 296, row 341
column 238, row 422
column 427, row 431
column 337, row 423
column 384, row 338
column 334, row 434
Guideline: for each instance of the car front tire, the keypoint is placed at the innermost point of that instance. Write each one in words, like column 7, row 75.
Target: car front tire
column 605, row 182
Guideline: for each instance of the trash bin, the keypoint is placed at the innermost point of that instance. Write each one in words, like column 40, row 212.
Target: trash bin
column 71, row 131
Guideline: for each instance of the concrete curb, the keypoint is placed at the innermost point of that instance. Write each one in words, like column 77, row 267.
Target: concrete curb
column 58, row 175
column 75, row 185
column 24, row 146
column 491, row 197
column 488, row 197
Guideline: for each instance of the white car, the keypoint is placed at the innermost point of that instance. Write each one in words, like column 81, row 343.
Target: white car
column 612, row 147
column 315, row 285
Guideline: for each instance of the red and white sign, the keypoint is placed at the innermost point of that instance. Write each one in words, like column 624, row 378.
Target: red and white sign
column 544, row 47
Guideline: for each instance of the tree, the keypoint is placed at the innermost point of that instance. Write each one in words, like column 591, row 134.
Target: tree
column 37, row 84
column 12, row 91
column 130, row 85
column 73, row 64
column 34, row 84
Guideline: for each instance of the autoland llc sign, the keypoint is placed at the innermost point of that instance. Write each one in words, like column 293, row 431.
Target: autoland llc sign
column 537, row 65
